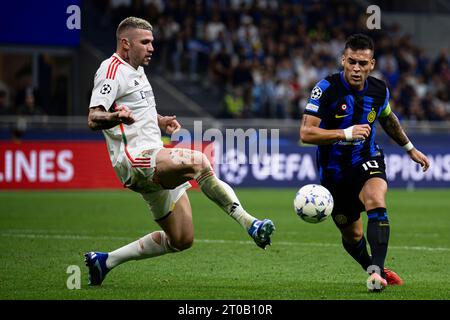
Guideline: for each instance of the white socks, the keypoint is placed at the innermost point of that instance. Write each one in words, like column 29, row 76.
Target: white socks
column 239, row 214
column 224, row 196
column 145, row 247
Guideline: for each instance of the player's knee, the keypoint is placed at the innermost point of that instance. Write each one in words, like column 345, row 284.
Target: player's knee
column 374, row 202
column 353, row 237
column 374, row 199
column 200, row 162
column 182, row 243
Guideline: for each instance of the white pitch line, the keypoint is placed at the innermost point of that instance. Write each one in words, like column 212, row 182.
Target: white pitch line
column 12, row 234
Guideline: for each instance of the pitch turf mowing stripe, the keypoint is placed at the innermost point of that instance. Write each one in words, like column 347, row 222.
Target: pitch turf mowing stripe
column 42, row 234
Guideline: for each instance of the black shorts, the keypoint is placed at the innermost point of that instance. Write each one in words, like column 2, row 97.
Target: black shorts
column 347, row 205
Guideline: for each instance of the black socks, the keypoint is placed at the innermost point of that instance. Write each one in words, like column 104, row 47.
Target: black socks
column 378, row 235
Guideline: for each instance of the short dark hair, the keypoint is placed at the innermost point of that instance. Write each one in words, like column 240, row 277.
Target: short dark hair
column 359, row 41
column 132, row 23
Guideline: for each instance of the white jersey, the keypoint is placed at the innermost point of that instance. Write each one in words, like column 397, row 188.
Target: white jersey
column 118, row 83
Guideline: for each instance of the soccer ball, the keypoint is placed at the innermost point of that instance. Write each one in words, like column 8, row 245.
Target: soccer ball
column 313, row 203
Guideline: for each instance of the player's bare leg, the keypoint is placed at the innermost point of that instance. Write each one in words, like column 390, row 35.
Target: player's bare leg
column 176, row 166
column 178, row 226
column 177, row 235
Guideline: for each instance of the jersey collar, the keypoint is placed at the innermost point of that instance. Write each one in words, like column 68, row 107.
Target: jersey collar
column 347, row 86
column 124, row 62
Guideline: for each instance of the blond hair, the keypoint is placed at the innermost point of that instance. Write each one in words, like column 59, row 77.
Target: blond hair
column 132, row 23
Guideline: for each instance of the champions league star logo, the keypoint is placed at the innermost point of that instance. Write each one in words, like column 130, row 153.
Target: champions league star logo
column 105, row 89
column 234, row 168
column 316, row 93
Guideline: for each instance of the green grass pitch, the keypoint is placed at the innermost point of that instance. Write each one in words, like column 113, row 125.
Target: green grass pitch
column 43, row 233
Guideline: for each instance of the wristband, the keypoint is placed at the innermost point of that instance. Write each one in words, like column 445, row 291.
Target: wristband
column 348, row 133
column 408, row 147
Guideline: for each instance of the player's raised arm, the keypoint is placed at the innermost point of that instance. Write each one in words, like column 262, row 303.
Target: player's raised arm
column 100, row 119
column 310, row 132
column 393, row 128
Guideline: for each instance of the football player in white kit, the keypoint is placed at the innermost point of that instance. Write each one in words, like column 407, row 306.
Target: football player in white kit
column 123, row 106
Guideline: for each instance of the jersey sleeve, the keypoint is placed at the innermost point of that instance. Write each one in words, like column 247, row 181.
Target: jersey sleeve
column 385, row 110
column 318, row 101
column 105, row 89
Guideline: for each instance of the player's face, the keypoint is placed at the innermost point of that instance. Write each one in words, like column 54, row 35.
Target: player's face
column 141, row 47
column 357, row 66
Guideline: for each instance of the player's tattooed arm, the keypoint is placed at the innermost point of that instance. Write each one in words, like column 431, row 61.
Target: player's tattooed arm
column 100, row 119
column 393, row 128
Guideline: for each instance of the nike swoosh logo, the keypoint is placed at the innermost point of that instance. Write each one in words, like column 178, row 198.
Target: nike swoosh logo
column 374, row 172
column 341, row 116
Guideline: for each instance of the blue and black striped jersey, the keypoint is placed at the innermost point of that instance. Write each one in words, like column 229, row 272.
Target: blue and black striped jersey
column 339, row 107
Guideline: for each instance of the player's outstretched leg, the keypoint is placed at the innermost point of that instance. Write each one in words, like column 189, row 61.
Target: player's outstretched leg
column 225, row 197
column 151, row 245
column 96, row 262
column 176, row 166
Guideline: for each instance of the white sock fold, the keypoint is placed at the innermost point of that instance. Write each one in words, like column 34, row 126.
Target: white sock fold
column 145, row 247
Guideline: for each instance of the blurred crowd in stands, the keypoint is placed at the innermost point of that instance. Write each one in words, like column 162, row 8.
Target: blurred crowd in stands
column 264, row 57
column 21, row 97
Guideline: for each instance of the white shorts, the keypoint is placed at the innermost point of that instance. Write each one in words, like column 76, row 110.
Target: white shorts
column 162, row 202
column 141, row 178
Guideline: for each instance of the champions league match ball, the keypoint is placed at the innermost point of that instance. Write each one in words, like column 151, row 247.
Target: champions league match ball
column 313, row 203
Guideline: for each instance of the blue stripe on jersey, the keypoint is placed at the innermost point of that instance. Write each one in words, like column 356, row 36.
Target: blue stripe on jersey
column 331, row 155
column 334, row 163
column 347, row 121
column 318, row 164
column 322, row 85
column 386, row 102
column 358, row 153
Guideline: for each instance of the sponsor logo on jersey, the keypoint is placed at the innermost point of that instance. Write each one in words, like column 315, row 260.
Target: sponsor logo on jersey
column 312, row 107
column 340, row 219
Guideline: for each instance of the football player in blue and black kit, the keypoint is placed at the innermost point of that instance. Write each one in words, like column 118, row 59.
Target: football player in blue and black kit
column 340, row 118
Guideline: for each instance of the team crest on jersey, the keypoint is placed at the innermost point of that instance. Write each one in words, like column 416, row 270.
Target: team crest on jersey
column 316, row 93
column 371, row 116
column 105, row 89
column 340, row 219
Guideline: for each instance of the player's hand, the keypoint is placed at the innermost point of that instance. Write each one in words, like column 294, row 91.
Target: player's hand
column 124, row 115
column 169, row 123
column 357, row 132
column 420, row 158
